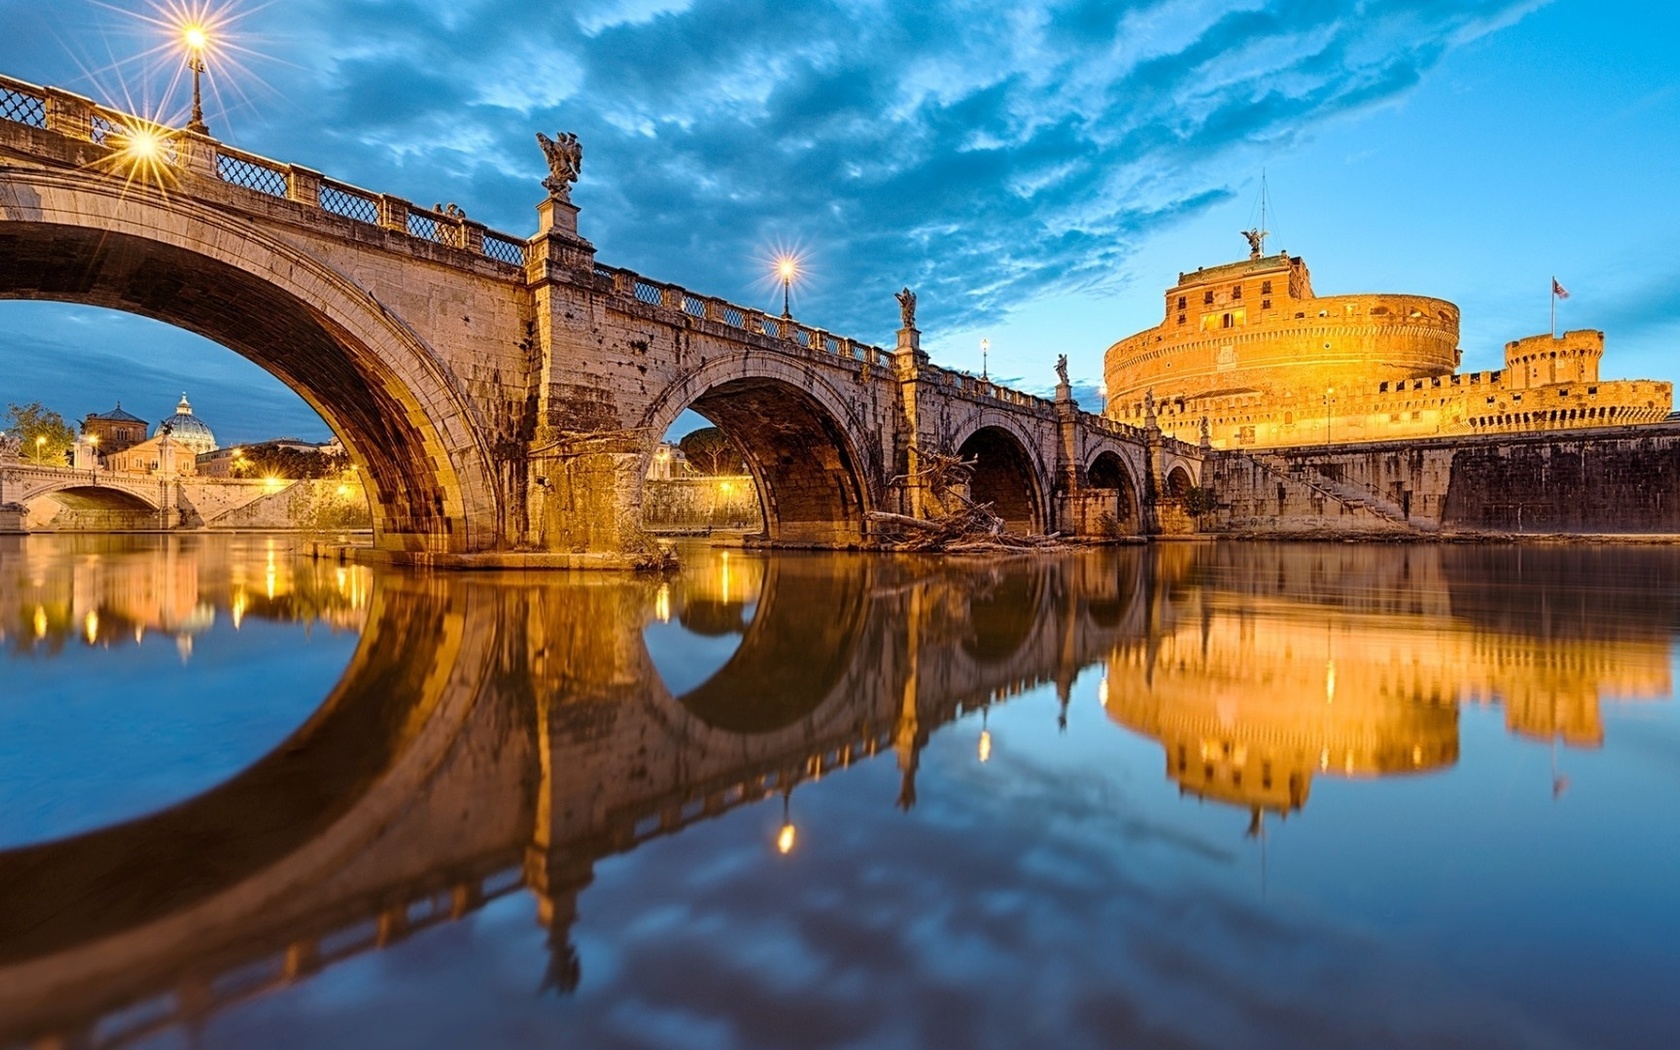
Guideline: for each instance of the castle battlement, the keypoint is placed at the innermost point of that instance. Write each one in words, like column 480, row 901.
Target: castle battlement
column 1251, row 349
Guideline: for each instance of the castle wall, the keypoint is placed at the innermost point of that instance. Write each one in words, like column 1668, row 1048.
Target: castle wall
column 1493, row 402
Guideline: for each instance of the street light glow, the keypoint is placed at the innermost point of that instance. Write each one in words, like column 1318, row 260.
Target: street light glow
column 787, row 267
column 784, row 841
column 195, row 36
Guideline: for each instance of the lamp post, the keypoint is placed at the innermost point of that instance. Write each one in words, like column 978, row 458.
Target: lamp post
column 197, row 40
column 1329, row 399
column 985, row 351
column 40, row 450
column 787, row 268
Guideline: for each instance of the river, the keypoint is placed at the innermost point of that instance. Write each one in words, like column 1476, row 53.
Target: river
column 1190, row 794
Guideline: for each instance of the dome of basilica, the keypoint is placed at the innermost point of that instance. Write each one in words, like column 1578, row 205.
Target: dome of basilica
column 187, row 429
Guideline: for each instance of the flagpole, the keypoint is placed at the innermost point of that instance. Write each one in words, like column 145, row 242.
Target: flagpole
column 1553, row 297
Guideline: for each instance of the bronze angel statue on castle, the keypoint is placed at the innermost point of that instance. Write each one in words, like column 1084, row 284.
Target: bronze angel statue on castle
column 565, row 163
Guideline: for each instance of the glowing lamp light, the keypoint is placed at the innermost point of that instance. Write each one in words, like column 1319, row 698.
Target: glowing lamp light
column 142, row 144
column 985, row 744
column 195, row 37
column 787, row 267
column 784, row 840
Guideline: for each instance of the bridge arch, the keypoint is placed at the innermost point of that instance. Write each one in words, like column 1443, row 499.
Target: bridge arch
column 797, row 434
column 1008, row 473
column 80, row 504
column 400, row 412
column 1108, row 473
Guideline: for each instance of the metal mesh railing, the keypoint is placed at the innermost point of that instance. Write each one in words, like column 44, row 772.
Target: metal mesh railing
column 772, row 328
column 504, row 249
column 423, row 226
column 694, row 307
column 251, row 175
column 101, row 128
column 648, row 293
column 23, row 107
column 832, row 345
column 349, row 203
column 605, row 272
column 734, row 315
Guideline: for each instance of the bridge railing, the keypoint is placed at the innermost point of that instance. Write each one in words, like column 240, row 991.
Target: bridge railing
column 70, row 115
column 815, row 341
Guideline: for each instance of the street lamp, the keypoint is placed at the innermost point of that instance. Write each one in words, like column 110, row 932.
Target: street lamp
column 985, row 349
column 1329, row 399
column 787, row 269
column 197, row 40
column 40, row 450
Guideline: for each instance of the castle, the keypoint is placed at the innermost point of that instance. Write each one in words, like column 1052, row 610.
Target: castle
column 1249, row 353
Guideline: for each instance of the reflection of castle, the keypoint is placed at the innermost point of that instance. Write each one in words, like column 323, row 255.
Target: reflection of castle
column 1353, row 663
column 1249, row 347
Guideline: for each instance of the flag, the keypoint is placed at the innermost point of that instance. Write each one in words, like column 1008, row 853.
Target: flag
column 1558, row 289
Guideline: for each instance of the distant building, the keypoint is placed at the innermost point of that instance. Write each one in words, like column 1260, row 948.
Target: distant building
column 161, row 455
column 1249, row 349
column 669, row 461
column 187, row 429
column 115, row 430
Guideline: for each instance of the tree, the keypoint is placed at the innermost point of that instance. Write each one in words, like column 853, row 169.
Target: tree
column 710, row 452
column 269, row 460
column 46, row 436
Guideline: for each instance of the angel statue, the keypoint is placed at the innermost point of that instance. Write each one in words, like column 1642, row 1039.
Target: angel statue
column 9, row 446
column 1255, row 237
column 1149, row 402
column 907, row 307
column 565, row 164
column 1061, row 368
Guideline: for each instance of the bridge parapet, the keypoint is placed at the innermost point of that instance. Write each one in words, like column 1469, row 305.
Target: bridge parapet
column 75, row 117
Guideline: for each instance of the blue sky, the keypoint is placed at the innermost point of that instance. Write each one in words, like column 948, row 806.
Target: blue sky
column 1038, row 171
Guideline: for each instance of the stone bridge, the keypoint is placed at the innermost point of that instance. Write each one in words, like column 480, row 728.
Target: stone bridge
column 37, row 498
column 492, row 736
column 502, row 393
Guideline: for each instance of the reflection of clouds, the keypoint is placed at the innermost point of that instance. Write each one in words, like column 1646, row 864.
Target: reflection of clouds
column 980, row 923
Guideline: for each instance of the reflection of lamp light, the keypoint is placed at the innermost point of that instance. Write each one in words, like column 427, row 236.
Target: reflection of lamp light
column 785, row 837
column 985, row 736
column 662, row 603
column 91, row 625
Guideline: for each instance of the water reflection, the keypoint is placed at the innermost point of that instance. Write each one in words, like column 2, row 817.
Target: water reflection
column 111, row 590
column 502, row 735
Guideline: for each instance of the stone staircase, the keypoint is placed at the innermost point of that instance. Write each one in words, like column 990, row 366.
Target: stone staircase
column 1347, row 494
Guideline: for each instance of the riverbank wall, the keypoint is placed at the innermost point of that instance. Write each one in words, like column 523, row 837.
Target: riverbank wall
column 1623, row 480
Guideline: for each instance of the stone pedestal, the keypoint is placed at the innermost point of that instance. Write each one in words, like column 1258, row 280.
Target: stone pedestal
column 908, row 355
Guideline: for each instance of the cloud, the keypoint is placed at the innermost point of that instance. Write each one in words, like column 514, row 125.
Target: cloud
column 985, row 156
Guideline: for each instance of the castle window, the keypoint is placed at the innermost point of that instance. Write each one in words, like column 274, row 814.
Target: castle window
column 1226, row 322
column 1265, row 288
column 1236, row 291
column 1180, row 318
column 1207, row 297
column 1181, row 302
column 1265, row 304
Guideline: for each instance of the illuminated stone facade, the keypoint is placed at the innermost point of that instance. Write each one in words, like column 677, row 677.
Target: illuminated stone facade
column 1251, row 349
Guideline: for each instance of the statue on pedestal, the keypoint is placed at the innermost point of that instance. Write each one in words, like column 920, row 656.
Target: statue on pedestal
column 907, row 307
column 565, row 164
column 1061, row 368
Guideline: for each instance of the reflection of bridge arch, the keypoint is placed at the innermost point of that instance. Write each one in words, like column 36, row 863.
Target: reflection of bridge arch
column 411, row 430
column 107, row 904
column 1008, row 469
column 796, row 433
column 793, row 655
